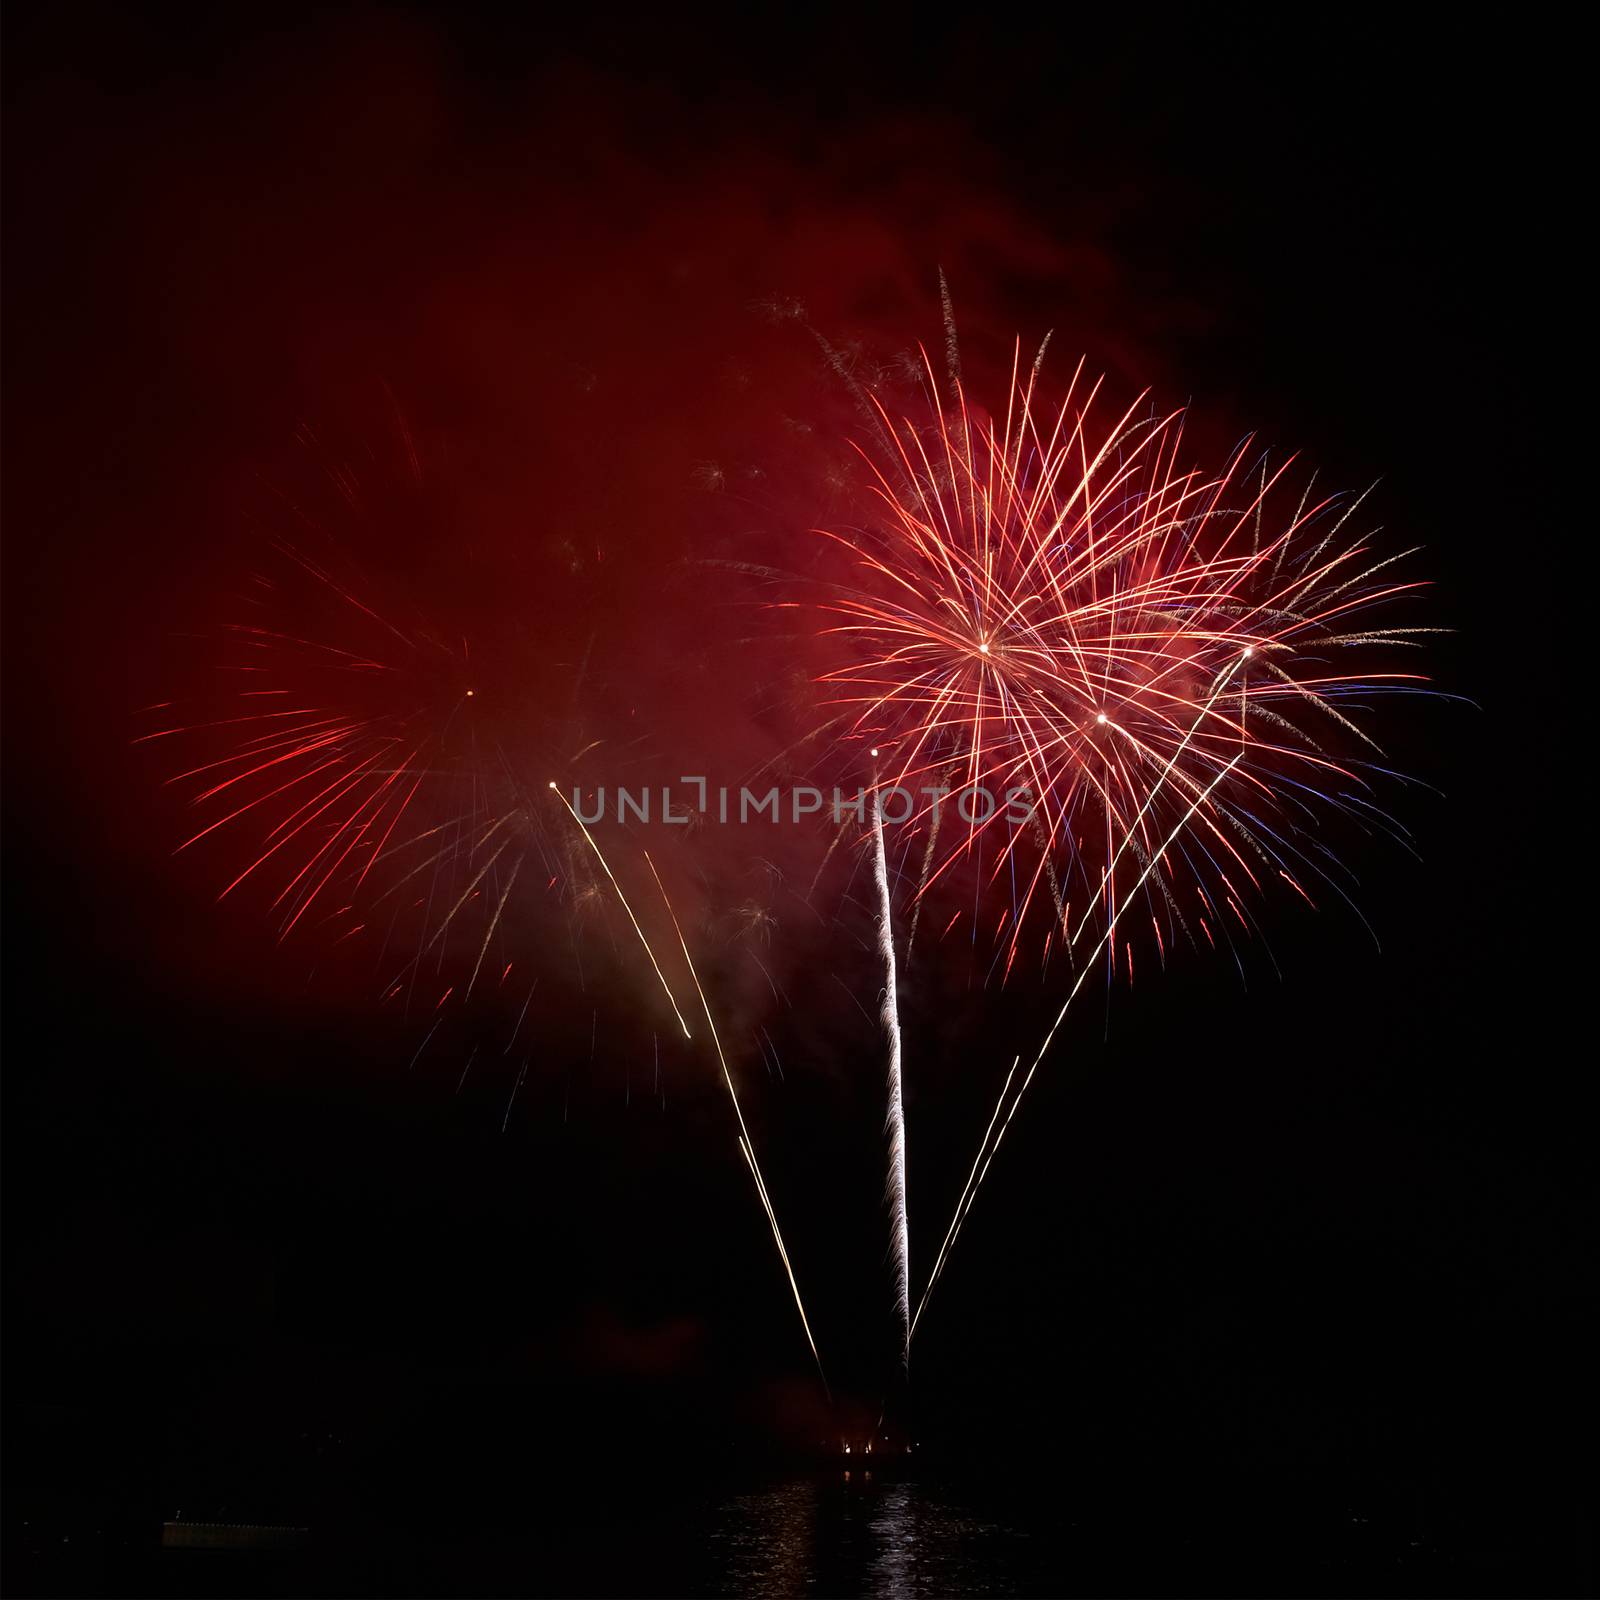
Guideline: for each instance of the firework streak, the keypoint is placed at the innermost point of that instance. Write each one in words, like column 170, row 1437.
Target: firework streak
column 746, row 1149
column 745, row 1146
column 1168, row 666
column 895, row 1117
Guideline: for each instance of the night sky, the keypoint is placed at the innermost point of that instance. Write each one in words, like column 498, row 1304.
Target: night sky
column 1319, row 1236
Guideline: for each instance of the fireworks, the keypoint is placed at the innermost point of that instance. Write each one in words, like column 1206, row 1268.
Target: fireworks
column 352, row 777
column 1058, row 613
column 1116, row 697
column 353, row 769
column 746, row 1148
column 1128, row 678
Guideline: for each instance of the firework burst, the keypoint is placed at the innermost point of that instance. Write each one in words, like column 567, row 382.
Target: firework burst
column 344, row 768
column 360, row 782
column 1137, row 685
column 1056, row 612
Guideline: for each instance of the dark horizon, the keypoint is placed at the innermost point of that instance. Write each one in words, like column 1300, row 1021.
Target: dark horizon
column 1316, row 1240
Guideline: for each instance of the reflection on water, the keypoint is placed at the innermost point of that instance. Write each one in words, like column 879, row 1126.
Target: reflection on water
column 854, row 1533
column 892, row 1533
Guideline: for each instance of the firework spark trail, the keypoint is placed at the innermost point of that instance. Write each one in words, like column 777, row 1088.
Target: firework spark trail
column 977, row 1161
column 894, row 1118
column 494, row 923
column 600, row 857
column 1093, row 955
column 922, row 882
column 978, row 1173
column 745, row 1146
column 505, row 1121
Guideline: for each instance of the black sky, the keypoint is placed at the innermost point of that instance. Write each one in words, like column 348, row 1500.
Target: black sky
column 1336, row 1225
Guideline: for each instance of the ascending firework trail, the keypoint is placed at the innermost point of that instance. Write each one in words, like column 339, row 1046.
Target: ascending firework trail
column 895, row 1117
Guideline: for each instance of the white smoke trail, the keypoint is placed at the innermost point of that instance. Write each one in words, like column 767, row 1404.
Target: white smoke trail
column 895, row 1118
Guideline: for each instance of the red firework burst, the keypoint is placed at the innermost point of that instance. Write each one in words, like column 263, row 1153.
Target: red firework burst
column 1054, row 609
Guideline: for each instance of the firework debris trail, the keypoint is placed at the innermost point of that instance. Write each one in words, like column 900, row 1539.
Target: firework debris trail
column 623, row 899
column 980, row 1164
column 975, row 1178
column 895, row 1116
column 746, row 1148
